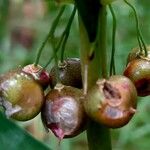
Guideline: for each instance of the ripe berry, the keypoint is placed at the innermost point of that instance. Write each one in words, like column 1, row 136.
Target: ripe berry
column 112, row 102
column 69, row 73
column 138, row 71
column 63, row 111
column 38, row 73
column 21, row 96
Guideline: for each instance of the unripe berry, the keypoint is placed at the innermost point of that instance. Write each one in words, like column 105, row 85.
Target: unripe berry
column 21, row 96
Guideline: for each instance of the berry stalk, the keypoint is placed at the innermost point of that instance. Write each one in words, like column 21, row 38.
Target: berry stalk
column 140, row 39
column 112, row 62
column 63, row 39
column 50, row 35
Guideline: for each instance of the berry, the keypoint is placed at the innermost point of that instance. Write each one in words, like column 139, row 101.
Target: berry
column 138, row 71
column 21, row 96
column 69, row 73
column 63, row 111
column 112, row 102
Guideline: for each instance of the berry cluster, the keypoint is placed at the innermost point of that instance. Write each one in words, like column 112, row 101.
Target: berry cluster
column 63, row 106
column 25, row 92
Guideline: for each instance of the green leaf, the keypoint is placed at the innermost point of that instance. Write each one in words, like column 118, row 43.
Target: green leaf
column 88, row 10
column 12, row 137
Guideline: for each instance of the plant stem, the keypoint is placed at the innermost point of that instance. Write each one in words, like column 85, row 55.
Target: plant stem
column 56, row 50
column 112, row 62
column 63, row 39
column 67, row 31
column 56, row 64
column 49, row 35
column 140, row 39
column 98, row 135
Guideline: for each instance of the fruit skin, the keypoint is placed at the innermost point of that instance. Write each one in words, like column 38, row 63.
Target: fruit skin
column 38, row 73
column 19, row 91
column 112, row 102
column 69, row 73
column 138, row 71
column 63, row 111
column 136, row 54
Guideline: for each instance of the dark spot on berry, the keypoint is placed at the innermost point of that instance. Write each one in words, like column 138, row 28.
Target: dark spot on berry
column 143, row 87
column 110, row 91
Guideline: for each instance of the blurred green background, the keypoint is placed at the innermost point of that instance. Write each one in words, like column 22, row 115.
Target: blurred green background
column 23, row 26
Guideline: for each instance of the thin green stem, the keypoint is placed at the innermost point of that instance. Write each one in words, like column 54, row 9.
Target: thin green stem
column 144, row 45
column 139, row 35
column 63, row 47
column 49, row 61
column 49, row 35
column 112, row 62
column 56, row 50
column 56, row 65
column 67, row 31
column 62, row 38
column 98, row 135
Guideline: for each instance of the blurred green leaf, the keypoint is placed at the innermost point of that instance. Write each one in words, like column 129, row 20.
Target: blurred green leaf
column 13, row 137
